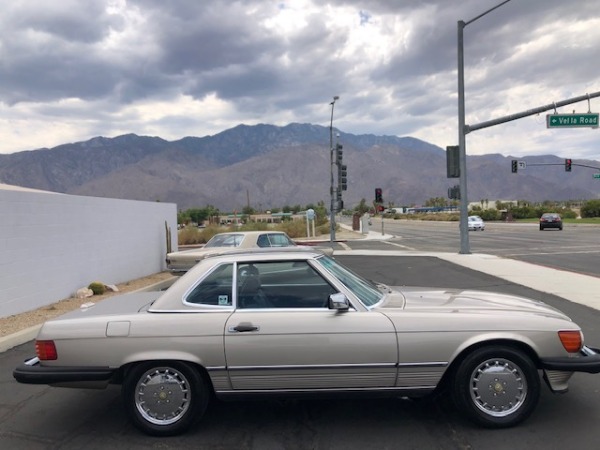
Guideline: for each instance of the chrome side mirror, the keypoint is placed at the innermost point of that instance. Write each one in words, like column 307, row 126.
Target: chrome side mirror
column 339, row 302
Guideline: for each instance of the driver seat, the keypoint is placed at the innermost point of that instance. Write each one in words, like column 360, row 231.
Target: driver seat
column 250, row 293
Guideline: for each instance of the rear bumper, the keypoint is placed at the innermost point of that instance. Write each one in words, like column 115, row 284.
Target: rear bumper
column 550, row 225
column 31, row 372
column 588, row 361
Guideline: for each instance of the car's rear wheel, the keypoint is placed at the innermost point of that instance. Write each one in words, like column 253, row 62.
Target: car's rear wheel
column 496, row 387
column 164, row 398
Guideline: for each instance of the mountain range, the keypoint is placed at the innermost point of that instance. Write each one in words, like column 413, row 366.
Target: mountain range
column 266, row 166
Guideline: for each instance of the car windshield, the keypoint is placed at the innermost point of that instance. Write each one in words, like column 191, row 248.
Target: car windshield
column 225, row 240
column 366, row 291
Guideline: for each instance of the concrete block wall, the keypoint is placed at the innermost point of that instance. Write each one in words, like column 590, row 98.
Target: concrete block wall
column 53, row 244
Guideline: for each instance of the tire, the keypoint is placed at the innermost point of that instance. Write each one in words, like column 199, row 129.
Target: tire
column 496, row 387
column 541, row 228
column 178, row 397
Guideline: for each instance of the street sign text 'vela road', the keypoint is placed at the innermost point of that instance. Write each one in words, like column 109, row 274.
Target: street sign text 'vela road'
column 572, row 120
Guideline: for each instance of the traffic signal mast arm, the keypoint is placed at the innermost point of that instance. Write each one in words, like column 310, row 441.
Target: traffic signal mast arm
column 530, row 112
column 567, row 164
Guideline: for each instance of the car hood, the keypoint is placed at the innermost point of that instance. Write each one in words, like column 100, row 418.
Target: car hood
column 417, row 299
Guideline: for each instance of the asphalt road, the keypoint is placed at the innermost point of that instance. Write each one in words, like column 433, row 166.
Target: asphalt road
column 576, row 248
column 41, row 417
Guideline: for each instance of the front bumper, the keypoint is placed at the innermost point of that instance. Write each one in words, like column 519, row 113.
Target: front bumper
column 588, row 361
column 31, row 372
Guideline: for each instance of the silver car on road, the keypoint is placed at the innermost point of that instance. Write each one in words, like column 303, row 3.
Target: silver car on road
column 292, row 322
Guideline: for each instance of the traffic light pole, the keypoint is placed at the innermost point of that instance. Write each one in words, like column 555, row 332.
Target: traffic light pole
column 462, row 130
column 462, row 152
column 332, row 192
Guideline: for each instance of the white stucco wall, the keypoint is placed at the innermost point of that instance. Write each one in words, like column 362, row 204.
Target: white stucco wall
column 53, row 244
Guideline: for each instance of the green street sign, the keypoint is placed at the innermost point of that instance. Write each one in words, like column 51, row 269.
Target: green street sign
column 596, row 175
column 572, row 120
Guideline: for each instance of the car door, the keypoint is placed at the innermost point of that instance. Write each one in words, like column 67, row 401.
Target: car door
column 290, row 340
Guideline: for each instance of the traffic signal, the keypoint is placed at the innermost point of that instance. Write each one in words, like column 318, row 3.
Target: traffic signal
column 378, row 195
column 514, row 165
column 454, row 192
column 342, row 177
column 452, row 161
column 568, row 165
column 339, row 152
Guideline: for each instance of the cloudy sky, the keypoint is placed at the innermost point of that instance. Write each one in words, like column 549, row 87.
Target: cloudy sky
column 71, row 70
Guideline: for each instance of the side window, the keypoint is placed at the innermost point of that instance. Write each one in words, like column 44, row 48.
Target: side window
column 281, row 284
column 214, row 290
column 263, row 241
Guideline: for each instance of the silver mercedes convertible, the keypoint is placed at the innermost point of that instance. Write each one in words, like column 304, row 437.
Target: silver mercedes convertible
column 296, row 322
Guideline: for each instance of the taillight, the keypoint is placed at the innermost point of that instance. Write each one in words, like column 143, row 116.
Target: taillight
column 46, row 350
column 572, row 341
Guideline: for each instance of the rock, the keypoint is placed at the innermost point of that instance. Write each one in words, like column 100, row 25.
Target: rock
column 111, row 287
column 84, row 293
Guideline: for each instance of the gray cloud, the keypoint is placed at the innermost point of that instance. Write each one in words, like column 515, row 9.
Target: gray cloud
column 71, row 70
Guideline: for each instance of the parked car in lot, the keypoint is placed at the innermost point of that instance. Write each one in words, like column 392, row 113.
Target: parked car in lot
column 184, row 260
column 551, row 220
column 289, row 322
column 476, row 223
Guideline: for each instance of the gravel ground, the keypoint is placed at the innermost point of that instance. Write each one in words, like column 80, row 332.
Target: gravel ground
column 18, row 322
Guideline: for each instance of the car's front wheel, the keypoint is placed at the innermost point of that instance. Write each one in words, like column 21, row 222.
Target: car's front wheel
column 164, row 398
column 496, row 387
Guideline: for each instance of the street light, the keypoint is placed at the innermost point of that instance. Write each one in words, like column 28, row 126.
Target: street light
column 331, row 189
column 462, row 150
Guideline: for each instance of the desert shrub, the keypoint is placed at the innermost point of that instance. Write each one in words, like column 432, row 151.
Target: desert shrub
column 489, row 214
column 252, row 226
column 436, row 217
column 324, row 229
column 294, row 228
column 191, row 235
column 569, row 214
column 591, row 208
column 97, row 287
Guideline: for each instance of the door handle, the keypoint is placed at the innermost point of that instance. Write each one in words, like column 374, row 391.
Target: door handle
column 243, row 328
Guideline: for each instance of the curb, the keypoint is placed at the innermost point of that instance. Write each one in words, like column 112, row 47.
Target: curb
column 18, row 338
